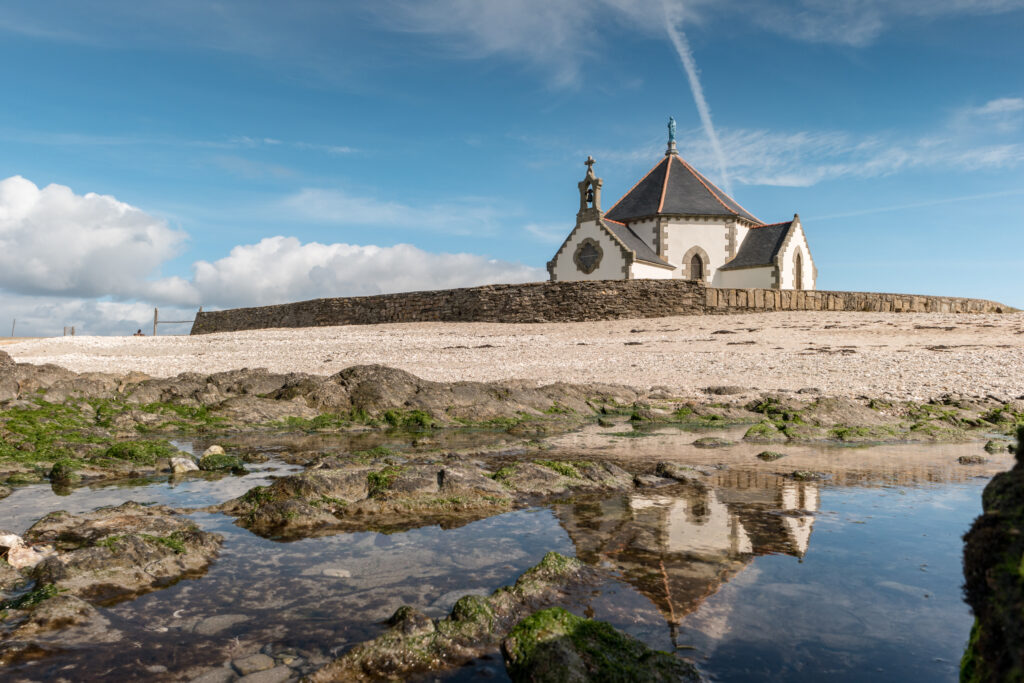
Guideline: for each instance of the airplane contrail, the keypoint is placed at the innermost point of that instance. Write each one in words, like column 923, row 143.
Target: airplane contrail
column 678, row 38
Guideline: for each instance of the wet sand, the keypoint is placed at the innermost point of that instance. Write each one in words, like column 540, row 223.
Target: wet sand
column 903, row 356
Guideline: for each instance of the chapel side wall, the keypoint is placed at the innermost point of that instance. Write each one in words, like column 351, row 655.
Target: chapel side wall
column 745, row 278
column 571, row 302
column 709, row 236
column 613, row 263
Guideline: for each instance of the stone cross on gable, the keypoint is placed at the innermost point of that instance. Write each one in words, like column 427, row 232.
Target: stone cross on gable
column 589, row 163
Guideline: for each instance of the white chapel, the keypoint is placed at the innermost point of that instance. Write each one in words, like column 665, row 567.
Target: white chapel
column 675, row 223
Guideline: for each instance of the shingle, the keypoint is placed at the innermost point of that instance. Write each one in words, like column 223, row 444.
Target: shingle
column 760, row 246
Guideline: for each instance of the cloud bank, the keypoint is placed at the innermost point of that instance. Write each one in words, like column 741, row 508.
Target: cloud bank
column 94, row 262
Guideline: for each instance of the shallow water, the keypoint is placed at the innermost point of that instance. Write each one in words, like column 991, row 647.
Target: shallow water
column 754, row 576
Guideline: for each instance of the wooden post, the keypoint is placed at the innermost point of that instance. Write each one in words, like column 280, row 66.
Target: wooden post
column 13, row 323
column 72, row 330
column 156, row 318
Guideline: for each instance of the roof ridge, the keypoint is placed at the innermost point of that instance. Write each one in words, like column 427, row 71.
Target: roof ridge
column 705, row 182
column 771, row 225
column 664, row 186
column 612, row 220
column 635, row 186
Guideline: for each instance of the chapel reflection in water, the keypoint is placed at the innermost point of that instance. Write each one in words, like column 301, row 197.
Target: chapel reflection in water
column 677, row 545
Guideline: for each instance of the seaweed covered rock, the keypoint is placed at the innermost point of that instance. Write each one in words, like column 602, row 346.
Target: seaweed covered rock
column 556, row 646
column 408, row 495
column 994, row 580
column 116, row 552
column 415, row 644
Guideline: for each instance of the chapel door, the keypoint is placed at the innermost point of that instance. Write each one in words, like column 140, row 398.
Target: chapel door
column 697, row 268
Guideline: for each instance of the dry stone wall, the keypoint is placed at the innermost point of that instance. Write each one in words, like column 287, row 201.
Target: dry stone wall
column 570, row 302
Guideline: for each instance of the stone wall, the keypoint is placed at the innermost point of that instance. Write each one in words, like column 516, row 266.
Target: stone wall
column 570, row 302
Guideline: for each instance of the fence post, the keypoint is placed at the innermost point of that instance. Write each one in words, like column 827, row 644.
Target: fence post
column 13, row 323
column 156, row 314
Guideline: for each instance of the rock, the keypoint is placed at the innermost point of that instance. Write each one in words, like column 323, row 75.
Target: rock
column 727, row 390
column 217, row 623
column 553, row 646
column 649, row 480
column 680, row 473
column 214, row 450
column 5, row 360
column 993, row 583
column 769, row 456
column 4, row 491
column 183, row 465
column 604, row 422
column 23, row 557
column 993, row 446
column 121, row 551
column 221, row 675
column 216, row 462
column 807, row 475
column 65, row 472
column 713, row 442
column 415, row 644
column 252, row 663
column 278, row 674
column 9, row 539
column 972, row 460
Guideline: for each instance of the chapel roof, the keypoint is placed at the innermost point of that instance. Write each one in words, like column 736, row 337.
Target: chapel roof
column 643, row 251
column 674, row 187
column 760, row 246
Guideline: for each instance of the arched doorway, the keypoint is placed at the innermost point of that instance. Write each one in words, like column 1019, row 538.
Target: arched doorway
column 798, row 271
column 697, row 268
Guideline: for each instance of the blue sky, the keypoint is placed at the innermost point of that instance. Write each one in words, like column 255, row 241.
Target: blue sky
column 242, row 153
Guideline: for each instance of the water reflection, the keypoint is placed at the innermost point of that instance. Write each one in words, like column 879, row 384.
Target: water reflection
column 677, row 545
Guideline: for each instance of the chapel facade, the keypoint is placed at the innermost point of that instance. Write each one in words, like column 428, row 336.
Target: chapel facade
column 675, row 223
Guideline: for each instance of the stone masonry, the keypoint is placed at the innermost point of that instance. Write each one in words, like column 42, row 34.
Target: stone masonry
column 570, row 302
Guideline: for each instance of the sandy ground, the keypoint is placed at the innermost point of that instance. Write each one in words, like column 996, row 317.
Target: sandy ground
column 897, row 355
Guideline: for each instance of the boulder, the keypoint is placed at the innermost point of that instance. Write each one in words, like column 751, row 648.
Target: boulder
column 183, row 465
column 556, row 646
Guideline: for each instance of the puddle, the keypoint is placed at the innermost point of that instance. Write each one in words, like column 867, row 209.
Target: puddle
column 753, row 575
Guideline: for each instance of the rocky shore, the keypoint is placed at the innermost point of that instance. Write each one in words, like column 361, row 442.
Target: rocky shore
column 476, row 449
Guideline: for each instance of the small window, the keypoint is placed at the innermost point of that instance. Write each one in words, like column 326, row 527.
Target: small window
column 697, row 268
column 798, row 271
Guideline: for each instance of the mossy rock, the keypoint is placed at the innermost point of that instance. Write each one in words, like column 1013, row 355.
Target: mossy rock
column 713, row 442
column 770, row 456
column 993, row 446
column 65, row 471
column 554, row 645
column 141, row 452
column 219, row 462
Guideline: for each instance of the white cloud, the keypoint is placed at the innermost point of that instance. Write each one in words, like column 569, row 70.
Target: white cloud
column 280, row 269
column 57, row 242
column 91, row 261
column 857, row 22
column 463, row 217
column 972, row 139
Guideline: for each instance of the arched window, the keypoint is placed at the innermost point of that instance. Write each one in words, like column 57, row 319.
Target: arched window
column 798, row 271
column 696, row 267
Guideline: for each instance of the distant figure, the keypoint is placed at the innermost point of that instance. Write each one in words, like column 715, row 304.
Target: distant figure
column 139, row 333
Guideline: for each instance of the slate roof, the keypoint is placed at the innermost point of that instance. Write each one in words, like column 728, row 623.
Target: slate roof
column 760, row 246
column 643, row 251
column 675, row 187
